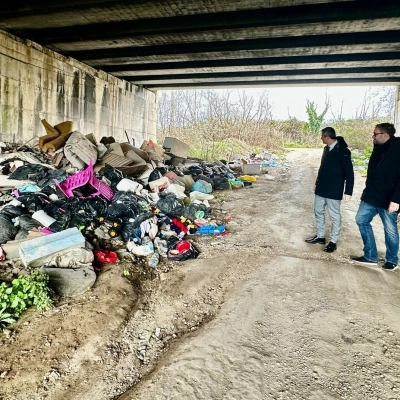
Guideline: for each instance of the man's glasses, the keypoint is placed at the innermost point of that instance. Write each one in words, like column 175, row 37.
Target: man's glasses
column 377, row 133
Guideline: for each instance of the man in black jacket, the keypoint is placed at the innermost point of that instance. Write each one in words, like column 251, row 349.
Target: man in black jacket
column 381, row 196
column 335, row 175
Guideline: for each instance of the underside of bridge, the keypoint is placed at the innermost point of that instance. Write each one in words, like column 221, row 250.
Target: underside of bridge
column 170, row 44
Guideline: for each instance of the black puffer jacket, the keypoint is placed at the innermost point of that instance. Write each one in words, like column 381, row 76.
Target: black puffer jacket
column 336, row 173
column 383, row 176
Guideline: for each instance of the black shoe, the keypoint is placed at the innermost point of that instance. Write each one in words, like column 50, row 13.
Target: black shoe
column 388, row 266
column 315, row 239
column 330, row 248
column 363, row 260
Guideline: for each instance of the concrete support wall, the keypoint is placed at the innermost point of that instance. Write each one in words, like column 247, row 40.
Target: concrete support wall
column 37, row 83
column 397, row 111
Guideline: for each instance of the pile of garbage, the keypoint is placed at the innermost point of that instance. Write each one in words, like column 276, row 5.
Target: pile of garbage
column 254, row 164
column 72, row 202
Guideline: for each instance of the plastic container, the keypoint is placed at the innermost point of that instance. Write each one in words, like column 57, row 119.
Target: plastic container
column 106, row 256
column 81, row 178
column 127, row 185
column 211, row 230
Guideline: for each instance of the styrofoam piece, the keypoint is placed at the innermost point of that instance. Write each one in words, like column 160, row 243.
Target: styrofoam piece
column 43, row 218
column 127, row 185
column 200, row 196
column 32, row 252
column 177, row 190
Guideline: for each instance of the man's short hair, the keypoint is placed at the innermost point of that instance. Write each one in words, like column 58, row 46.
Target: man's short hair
column 329, row 131
column 387, row 128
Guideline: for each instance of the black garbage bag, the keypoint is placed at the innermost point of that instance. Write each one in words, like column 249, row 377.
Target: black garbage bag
column 181, row 250
column 169, row 204
column 7, row 230
column 26, row 222
column 205, row 178
column 33, row 201
column 119, row 210
column 73, row 212
column 130, row 231
column 61, row 212
column 62, row 223
column 11, row 212
column 78, row 221
column 28, row 171
column 113, row 175
column 221, row 183
column 56, row 208
column 93, row 207
column 47, row 177
column 194, row 171
column 124, row 205
column 155, row 174
column 49, row 189
column 142, row 217
column 39, row 174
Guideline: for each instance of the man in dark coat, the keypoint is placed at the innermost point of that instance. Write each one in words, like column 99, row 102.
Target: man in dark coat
column 335, row 177
column 381, row 196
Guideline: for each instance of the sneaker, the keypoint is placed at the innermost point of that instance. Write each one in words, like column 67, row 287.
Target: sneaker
column 388, row 266
column 363, row 260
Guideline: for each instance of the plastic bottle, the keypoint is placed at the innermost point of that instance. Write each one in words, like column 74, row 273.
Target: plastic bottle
column 154, row 260
column 161, row 246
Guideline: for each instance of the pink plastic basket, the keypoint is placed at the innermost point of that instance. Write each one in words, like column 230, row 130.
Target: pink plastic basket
column 81, row 178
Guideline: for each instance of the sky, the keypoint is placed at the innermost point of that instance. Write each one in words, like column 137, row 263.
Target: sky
column 294, row 99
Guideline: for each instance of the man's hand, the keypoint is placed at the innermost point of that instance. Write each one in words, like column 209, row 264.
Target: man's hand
column 393, row 207
column 346, row 198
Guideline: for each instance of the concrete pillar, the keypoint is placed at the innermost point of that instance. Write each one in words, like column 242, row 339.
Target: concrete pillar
column 397, row 111
column 37, row 83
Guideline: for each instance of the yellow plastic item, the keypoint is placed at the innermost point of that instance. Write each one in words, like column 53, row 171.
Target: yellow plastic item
column 247, row 178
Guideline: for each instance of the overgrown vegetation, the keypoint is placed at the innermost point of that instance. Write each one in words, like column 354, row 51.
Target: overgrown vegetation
column 314, row 119
column 24, row 292
column 360, row 159
column 225, row 124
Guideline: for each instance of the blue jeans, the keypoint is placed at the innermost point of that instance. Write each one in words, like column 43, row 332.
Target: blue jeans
column 364, row 216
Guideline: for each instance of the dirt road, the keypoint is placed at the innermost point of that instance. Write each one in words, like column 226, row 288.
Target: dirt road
column 259, row 315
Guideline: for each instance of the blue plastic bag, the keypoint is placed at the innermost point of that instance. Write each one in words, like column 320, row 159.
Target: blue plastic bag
column 202, row 186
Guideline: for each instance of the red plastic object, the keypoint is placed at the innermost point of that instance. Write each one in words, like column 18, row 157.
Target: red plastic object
column 106, row 256
column 81, row 178
column 182, row 246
